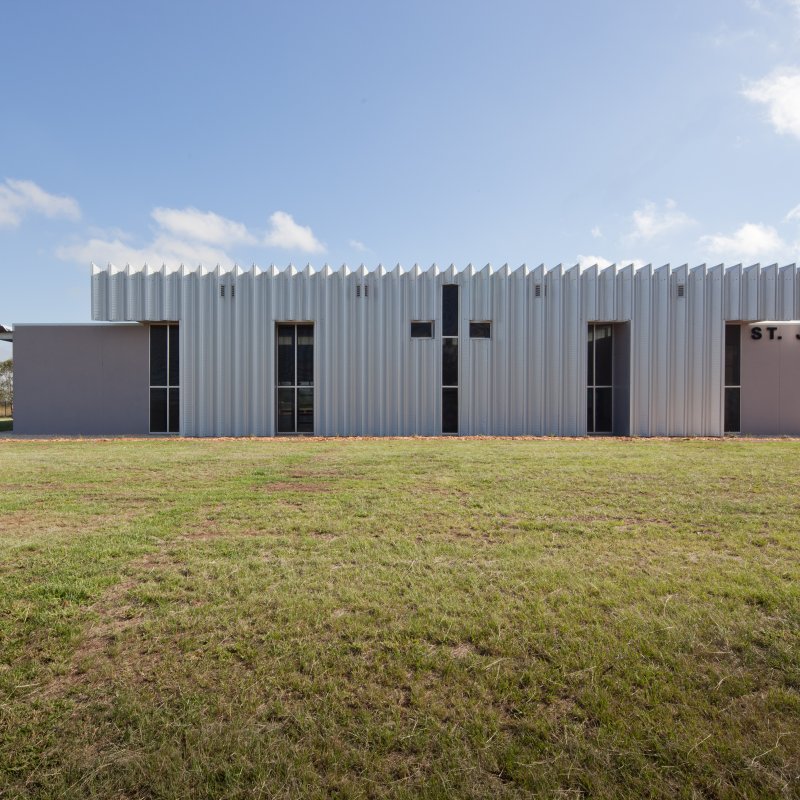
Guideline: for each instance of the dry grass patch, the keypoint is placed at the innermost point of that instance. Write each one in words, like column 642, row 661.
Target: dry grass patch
column 435, row 618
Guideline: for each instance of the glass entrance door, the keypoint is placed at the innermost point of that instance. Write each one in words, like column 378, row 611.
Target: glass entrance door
column 295, row 378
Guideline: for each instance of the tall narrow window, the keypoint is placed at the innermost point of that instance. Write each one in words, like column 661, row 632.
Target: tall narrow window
column 295, row 378
column 733, row 380
column 164, row 379
column 450, row 358
column 599, row 380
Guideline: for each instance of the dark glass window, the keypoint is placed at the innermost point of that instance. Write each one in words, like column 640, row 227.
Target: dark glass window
column 421, row 330
column 158, row 355
column 164, row 379
column 174, row 355
column 286, row 355
column 305, row 355
column 174, row 410
column 600, row 379
column 733, row 378
column 450, row 410
column 286, row 410
column 602, row 355
column 305, row 410
column 450, row 362
column 733, row 347
column 480, row 330
column 450, row 309
column 158, row 411
column 603, row 422
column 733, row 397
column 295, row 377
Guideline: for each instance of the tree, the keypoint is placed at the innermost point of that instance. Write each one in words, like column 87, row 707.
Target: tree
column 7, row 385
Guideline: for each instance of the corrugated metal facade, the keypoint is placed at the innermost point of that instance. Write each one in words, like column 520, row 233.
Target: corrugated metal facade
column 373, row 379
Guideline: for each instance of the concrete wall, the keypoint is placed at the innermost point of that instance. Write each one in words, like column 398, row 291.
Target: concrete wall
column 81, row 379
column 770, row 379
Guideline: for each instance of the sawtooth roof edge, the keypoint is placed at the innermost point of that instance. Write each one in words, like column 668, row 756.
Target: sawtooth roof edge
column 399, row 269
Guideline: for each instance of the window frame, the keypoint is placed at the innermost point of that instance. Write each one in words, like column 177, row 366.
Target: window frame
column 296, row 386
column 422, row 322
column 729, row 387
column 480, row 322
column 169, row 386
column 449, row 390
column 593, row 386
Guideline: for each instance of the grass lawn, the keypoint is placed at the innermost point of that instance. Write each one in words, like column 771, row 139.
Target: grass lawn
column 399, row 618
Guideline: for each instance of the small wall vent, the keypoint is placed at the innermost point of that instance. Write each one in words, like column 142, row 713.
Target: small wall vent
column 537, row 290
column 681, row 290
column 233, row 291
column 222, row 291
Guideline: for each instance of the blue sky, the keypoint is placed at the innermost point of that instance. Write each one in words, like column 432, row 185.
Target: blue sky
column 350, row 132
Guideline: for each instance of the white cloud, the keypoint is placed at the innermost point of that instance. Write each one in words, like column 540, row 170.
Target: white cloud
column 596, row 232
column 794, row 214
column 780, row 93
column 202, row 226
column 187, row 236
column 287, row 234
column 18, row 198
column 651, row 221
column 355, row 244
column 750, row 241
column 727, row 37
column 163, row 250
column 584, row 262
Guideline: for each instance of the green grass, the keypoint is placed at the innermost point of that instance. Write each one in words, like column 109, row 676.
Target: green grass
column 399, row 618
column 6, row 424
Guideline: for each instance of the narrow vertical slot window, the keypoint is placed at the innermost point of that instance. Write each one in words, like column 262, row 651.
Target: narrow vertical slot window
column 450, row 362
column 450, row 410
column 450, row 327
column 450, row 309
column 733, row 380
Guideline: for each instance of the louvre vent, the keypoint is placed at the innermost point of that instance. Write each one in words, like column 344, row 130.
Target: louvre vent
column 537, row 290
column 233, row 291
column 358, row 290
column 681, row 290
column 222, row 291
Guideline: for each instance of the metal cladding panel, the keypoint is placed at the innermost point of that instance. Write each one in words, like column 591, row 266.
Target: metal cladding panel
column 768, row 293
column 750, row 281
column 678, row 352
column 733, row 292
column 786, row 293
column 372, row 378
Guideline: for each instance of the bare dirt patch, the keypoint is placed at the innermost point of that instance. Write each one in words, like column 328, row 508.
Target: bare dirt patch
column 115, row 615
column 291, row 486
column 462, row 650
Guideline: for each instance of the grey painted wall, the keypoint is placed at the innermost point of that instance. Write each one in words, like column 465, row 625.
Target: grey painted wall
column 81, row 379
column 771, row 380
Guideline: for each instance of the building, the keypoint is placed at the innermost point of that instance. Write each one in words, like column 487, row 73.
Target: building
column 562, row 352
